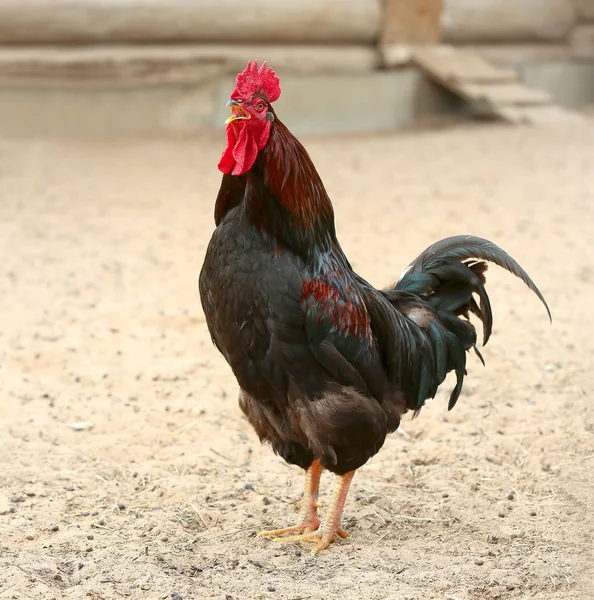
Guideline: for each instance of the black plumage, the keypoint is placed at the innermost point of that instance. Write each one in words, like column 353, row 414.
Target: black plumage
column 327, row 364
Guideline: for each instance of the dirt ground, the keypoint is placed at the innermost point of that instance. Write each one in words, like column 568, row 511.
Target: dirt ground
column 126, row 467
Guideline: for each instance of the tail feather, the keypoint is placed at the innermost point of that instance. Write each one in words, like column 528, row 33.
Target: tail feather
column 469, row 247
column 445, row 279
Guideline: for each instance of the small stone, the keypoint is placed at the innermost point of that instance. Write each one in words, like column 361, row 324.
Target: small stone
column 58, row 577
column 297, row 552
column 90, row 536
column 248, row 486
column 81, row 425
column 266, row 500
column 30, row 537
column 16, row 499
column 501, row 514
column 533, row 513
column 445, row 495
column 271, row 588
column 176, row 596
column 511, row 495
column 479, row 562
column 85, row 513
column 69, row 488
column 54, row 527
column 228, row 597
column 121, row 506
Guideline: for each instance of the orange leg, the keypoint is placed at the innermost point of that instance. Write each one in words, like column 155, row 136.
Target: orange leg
column 308, row 516
column 330, row 527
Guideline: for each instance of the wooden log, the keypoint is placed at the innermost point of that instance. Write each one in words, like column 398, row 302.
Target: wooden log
column 582, row 42
column 217, row 21
column 411, row 21
column 484, row 21
column 163, row 64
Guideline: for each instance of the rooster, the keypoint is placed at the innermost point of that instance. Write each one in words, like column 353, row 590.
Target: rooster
column 326, row 364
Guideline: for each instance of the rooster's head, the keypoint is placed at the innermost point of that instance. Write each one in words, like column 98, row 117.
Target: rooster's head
column 248, row 127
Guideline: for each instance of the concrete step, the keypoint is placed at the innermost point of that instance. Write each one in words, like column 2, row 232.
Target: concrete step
column 162, row 89
column 137, row 90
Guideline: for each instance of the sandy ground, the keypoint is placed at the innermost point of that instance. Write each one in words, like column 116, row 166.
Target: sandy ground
column 126, row 468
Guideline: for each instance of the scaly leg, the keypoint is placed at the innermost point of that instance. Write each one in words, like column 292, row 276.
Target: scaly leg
column 308, row 516
column 330, row 528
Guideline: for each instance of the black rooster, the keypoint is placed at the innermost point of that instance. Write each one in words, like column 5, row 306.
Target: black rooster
column 326, row 363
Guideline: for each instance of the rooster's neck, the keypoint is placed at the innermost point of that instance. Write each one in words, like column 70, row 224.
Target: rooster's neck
column 285, row 197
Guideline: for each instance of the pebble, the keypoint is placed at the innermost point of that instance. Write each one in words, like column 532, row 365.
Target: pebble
column 81, row 425
column 479, row 562
column 533, row 513
column 271, row 588
column 501, row 514
column 176, row 596
column 121, row 506
column 54, row 527
column 511, row 495
column 16, row 499
column 30, row 537
column 69, row 488
column 297, row 552
column 248, row 486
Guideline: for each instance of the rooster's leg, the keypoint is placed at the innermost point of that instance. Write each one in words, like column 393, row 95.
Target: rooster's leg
column 308, row 516
column 330, row 527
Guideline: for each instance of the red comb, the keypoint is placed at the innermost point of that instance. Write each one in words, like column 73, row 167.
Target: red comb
column 252, row 79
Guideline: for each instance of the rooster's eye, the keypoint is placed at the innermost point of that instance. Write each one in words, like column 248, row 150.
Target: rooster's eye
column 260, row 106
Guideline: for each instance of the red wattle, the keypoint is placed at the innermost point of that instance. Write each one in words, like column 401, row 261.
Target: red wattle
column 242, row 147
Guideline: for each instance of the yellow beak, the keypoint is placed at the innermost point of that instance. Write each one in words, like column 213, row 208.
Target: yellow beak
column 238, row 112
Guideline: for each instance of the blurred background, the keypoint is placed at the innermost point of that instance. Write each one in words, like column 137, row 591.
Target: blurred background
column 155, row 66
column 127, row 469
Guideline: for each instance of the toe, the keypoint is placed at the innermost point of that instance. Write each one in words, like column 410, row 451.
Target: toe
column 323, row 543
column 284, row 531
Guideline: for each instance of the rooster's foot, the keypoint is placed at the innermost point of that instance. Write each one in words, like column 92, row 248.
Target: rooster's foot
column 321, row 538
column 302, row 529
